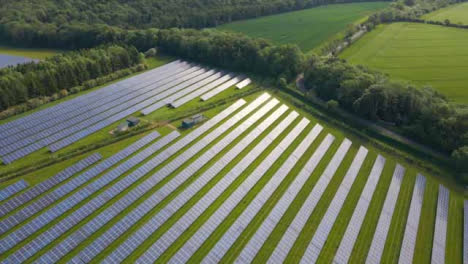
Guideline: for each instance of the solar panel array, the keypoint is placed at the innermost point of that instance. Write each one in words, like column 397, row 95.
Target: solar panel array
column 225, row 186
column 46, row 185
column 124, row 202
column 261, row 235
column 383, row 225
column 136, row 239
column 45, row 238
column 290, row 236
column 252, row 209
column 64, row 124
column 13, row 189
column 440, row 232
column 73, row 184
column 411, row 229
column 321, row 234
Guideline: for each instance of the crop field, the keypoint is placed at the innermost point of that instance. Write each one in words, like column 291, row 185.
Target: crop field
column 257, row 181
column 307, row 28
column 455, row 13
column 423, row 54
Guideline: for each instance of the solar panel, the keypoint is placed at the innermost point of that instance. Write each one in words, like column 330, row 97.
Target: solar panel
column 43, row 239
column 12, row 189
column 44, row 186
column 273, row 218
column 126, row 201
column 440, row 232
column 28, row 120
column 293, row 231
column 411, row 229
column 221, row 88
column 253, row 208
column 352, row 231
column 85, row 105
column 385, row 219
column 201, row 91
column 137, row 238
column 51, row 197
column 244, row 83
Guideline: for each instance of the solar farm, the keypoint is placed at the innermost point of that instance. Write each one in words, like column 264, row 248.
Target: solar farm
column 258, row 181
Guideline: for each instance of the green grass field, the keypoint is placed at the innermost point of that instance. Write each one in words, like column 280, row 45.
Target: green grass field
column 307, row 28
column 457, row 14
column 29, row 53
column 423, row 54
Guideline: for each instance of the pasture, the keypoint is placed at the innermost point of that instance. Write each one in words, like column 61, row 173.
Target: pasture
column 33, row 53
column 457, row 14
column 307, row 28
column 258, row 181
column 419, row 53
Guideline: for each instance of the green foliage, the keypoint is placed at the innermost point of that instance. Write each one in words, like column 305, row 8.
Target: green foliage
column 421, row 113
column 460, row 156
column 56, row 75
column 232, row 51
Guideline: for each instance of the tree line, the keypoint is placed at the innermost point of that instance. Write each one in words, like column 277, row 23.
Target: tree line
column 62, row 72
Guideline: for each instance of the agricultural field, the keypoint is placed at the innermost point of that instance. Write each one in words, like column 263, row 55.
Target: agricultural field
column 257, row 181
column 423, row 54
column 457, row 14
column 307, row 28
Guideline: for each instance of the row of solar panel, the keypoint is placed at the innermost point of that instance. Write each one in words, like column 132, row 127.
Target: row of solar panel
column 12, row 189
column 51, row 197
column 79, row 214
column 412, row 223
column 103, row 113
column 154, row 223
column 440, row 231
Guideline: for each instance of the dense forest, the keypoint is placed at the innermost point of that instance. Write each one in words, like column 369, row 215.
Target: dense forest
column 62, row 72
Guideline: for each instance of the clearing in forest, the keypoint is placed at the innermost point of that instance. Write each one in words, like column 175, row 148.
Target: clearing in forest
column 424, row 54
column 307, row 28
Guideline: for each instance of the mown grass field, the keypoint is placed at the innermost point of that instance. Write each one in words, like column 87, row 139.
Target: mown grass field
column 391, row 253
column 423, row 54
column 307, row 28
column 457, row 14
column 29, row 53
